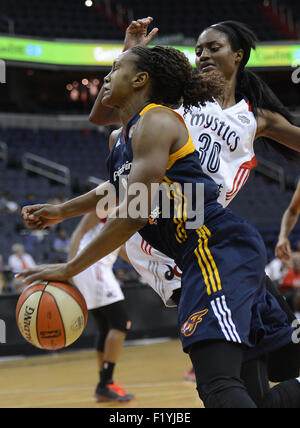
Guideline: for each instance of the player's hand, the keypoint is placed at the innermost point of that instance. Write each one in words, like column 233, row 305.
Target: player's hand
column 41, row 216
column 55, row 272
column 136, row 33
column 283, row 250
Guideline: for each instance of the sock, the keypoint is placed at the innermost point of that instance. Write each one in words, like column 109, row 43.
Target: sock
column 107, row 373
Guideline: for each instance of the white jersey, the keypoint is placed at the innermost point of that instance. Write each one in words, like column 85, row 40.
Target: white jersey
column 98, row 283
column 224, row 140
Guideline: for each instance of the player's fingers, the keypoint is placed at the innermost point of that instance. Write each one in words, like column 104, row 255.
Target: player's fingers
column 145, row 21
column 28, row 210
column 152, row 34
column 30, row 275
column 31, row 225
column 32, row 278
column 279, row 252
column 282, row 253
column 36, row 215
column 135, row 25
column 40, row 226
column 25, row 273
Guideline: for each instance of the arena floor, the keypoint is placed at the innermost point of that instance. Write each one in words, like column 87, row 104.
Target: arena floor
column 153, row 372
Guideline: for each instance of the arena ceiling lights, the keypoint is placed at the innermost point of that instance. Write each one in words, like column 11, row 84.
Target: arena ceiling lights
column 78, row 54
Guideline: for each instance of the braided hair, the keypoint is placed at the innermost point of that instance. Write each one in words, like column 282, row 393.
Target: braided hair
column 174, row 81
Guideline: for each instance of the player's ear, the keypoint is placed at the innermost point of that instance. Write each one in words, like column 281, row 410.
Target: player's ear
column 239, row 55
column 140, row 79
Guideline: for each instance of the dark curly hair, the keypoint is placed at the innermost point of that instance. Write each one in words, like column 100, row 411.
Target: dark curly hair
column 174, row 81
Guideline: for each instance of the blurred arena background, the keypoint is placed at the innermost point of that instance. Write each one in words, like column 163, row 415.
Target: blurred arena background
column 56, row 53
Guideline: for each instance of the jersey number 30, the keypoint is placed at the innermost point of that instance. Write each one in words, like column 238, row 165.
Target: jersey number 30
column 209, row 153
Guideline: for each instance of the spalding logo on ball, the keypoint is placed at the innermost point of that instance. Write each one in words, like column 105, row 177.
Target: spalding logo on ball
column 51, row 315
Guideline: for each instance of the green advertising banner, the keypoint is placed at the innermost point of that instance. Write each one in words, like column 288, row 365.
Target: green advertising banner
column 92, row 54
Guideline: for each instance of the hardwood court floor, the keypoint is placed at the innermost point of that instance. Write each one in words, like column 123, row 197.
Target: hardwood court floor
column 153, row 372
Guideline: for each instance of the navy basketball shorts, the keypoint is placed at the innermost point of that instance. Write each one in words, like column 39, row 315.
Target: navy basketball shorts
column 223, row 289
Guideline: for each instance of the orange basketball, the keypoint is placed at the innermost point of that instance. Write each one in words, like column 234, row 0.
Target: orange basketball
column 51, row 315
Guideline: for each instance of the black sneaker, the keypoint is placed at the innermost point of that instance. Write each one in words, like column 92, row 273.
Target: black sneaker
column 112, row 392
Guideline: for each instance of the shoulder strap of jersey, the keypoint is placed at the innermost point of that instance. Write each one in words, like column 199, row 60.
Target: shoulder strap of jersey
column 187, row 149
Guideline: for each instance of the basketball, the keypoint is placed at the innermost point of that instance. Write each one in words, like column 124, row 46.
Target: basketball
column 51, row 315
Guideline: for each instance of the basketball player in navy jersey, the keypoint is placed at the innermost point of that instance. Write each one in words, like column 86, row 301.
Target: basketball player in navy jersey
column 219, row 311
column 224, row 133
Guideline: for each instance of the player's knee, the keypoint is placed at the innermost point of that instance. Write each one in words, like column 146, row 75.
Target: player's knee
column 122, row 325
column 222, row 392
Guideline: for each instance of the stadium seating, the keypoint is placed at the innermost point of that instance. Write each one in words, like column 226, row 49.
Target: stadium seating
column 71, row 19
column 83, row 152
column 190, row 18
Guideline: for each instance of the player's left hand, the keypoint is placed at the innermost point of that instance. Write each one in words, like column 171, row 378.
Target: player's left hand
column 137, row 33
column 55, row 272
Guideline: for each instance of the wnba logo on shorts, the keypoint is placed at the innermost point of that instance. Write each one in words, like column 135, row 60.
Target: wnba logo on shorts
column 2, row 332
column 189, row 327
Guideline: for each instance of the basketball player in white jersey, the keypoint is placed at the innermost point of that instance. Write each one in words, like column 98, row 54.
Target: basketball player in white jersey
column 223, row 133
column 105, row 302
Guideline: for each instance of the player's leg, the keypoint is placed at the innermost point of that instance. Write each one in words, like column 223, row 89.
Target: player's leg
column 119, row 325
column 102, row 332
column 285, row 395
column 290, row 353
column 228, row 308
column 217, row 367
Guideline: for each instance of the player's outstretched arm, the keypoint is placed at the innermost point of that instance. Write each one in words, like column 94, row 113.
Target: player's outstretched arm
column 151, row 148
column 42, row 216
column 290, row 218
column 85, row 225
column 136, row 34
column 279, row 129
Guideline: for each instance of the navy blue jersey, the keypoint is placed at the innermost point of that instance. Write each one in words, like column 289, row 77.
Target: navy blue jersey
column 167, row 234
column 222, row 261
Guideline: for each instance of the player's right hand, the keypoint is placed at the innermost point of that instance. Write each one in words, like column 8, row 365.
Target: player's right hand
column 41, row 216
column 136, row 33
column 283, row 250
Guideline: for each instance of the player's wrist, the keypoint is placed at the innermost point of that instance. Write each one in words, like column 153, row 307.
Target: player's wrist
column 62, row 211
column 70, row 270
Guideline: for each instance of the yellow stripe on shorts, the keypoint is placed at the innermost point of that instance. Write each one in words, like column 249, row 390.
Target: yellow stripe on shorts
column 206, row 262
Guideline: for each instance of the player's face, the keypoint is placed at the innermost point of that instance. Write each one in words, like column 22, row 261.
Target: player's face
column 118, row 83
column 214, row 52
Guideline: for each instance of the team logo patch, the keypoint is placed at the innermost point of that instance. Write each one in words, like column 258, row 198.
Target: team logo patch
column 189, row 327
column 244, row 119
